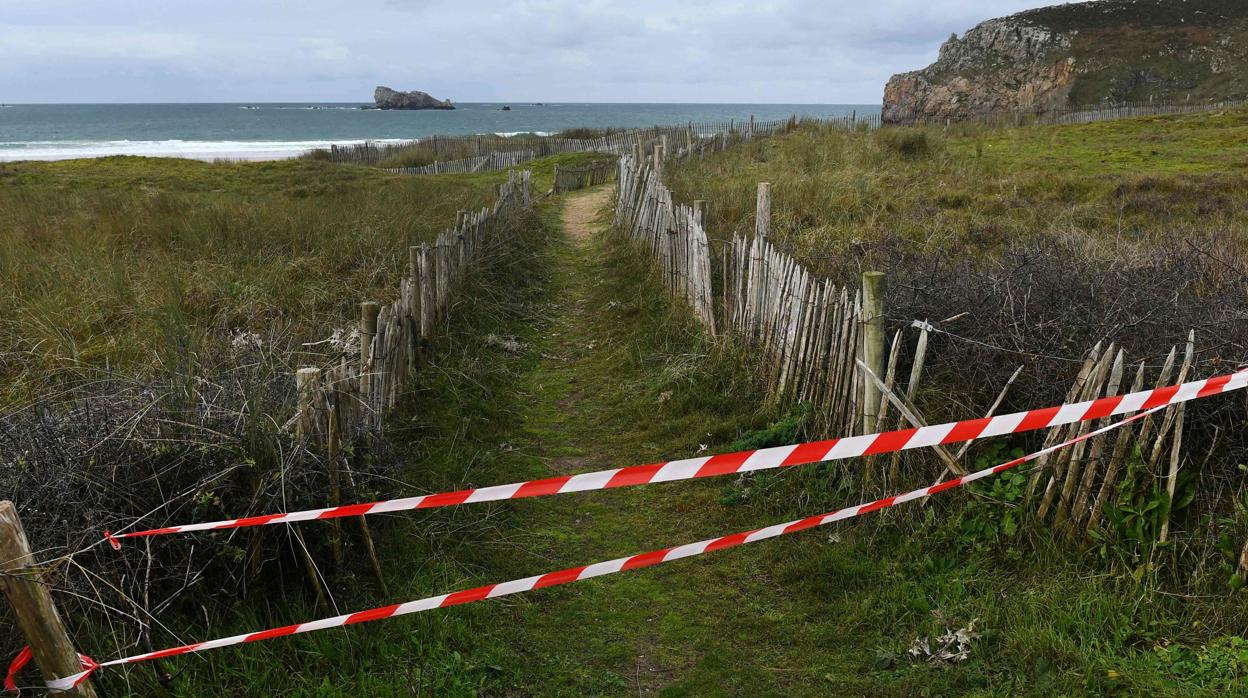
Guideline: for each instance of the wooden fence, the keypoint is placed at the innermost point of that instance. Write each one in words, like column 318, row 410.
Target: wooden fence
column 494, row 153
column 483, row 163
column 572, row 178
column 816, row 343
column 1073, row 490
column 351, row 397
column 672, row 234
column 1068, row 115
column 807, row 332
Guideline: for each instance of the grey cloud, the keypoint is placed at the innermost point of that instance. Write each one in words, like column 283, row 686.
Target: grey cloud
column 548, row 50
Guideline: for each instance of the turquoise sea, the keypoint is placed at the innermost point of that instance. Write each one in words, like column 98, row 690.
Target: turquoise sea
column 271, row 131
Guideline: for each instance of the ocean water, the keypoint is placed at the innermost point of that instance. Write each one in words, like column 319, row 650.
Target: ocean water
column 274, row 131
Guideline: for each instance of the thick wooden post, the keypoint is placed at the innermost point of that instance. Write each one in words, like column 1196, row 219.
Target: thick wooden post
column 699, row 211
column 762, row 210
column 872, row 344
column 658, row 161
column 33, row 607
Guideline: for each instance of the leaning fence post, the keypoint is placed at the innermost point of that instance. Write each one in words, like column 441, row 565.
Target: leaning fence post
column 33, row 607
column 872, row 344
column 762, row 210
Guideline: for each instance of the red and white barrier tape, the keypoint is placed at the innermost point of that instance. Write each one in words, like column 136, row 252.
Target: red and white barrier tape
column 745, row 461
column 577, row 574
column 23, row 658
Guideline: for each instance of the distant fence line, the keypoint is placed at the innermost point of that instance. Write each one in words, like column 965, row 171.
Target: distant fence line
column 489, row 153
column 1065, row 115
column 485, row 153
column 571, row 178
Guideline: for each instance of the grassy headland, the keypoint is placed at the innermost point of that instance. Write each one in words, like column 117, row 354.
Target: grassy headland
column 606, row 372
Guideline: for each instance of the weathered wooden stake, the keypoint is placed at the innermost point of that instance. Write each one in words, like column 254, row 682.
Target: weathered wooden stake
column 306, row 425
column 762, row 210
column 368, row 329
column 699, row 211
column 872, row 344
column 33, row 607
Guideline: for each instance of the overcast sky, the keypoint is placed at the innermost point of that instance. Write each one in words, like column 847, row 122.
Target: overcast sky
column 756, row 51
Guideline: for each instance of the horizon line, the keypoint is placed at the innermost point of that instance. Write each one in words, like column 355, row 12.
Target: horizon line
column 521, row 102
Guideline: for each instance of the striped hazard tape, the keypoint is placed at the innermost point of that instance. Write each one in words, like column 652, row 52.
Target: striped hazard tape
column 577, row 574
column 746, row 461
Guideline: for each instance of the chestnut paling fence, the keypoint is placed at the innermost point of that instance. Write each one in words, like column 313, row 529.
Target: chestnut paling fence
column 340, row 401
column 483, row 153
column 570, row 178
column 1064, row 115
column 813, row 342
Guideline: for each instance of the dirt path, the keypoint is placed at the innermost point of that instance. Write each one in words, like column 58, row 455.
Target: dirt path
column 621, row 380
column 581, row 214
column 604, row 371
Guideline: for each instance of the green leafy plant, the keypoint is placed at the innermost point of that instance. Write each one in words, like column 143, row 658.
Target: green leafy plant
column 1221, row 662
column 993, row 511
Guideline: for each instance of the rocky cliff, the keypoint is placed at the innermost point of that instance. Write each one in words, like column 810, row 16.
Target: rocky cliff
column 1081, row 55
column 387, row 98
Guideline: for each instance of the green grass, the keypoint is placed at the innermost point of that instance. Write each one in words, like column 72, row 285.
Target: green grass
column 974, row 191
column 1208, row 143
column 613, row 375
column 122, row 260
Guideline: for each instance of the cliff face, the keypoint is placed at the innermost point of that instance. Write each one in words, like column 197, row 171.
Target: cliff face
column 387, row 98
column 1082, row 55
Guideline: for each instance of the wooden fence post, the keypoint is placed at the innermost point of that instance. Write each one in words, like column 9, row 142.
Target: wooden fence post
column 428, row 294
column 368, row 329
column 699, row 211
column 658, row 161
column 872, row 344
column 33, row 607
column 762, row 210
column 413, row 306
column 307, row 424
